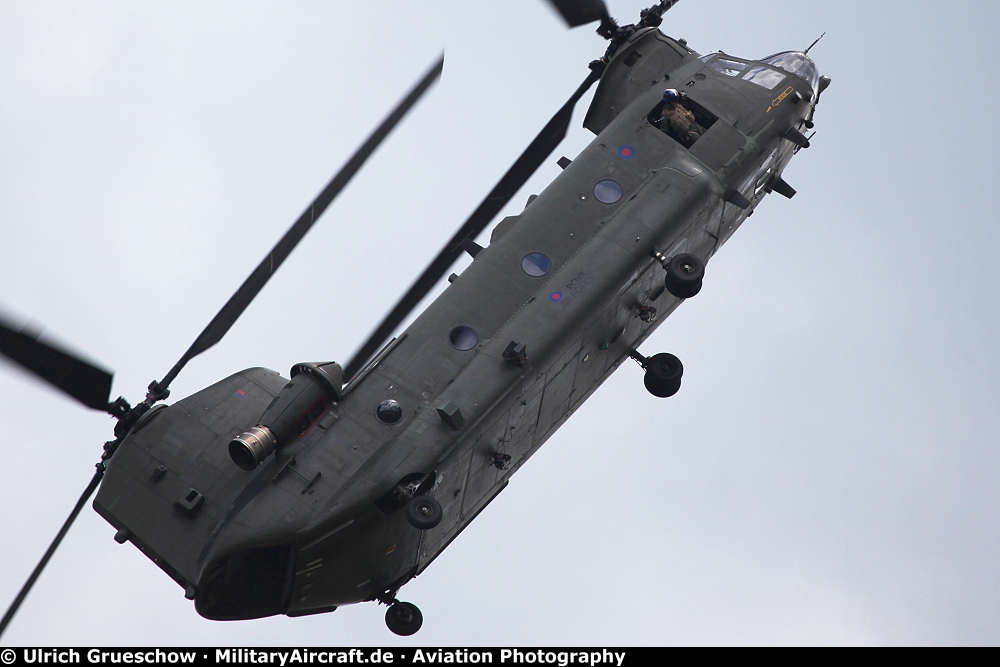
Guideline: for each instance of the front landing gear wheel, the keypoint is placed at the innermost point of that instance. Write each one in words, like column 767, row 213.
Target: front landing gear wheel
column 423, row 513
column 684, row 275
column 663, row 375
column 403, row 618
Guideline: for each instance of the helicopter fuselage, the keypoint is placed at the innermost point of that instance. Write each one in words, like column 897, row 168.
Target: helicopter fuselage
column 563, row 295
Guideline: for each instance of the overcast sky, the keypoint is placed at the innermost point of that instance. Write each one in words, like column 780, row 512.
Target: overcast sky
column 828, row 472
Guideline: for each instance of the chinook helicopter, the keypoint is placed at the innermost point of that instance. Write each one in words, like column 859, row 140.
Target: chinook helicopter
column 262, row 495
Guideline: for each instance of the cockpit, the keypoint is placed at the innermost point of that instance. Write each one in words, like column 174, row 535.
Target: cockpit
column 797, row 63
column 768, row 72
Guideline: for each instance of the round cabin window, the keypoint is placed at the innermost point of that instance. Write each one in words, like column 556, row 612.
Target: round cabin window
column 608, row 192
column 536, row 264
column 389, row 411
column 463, row 338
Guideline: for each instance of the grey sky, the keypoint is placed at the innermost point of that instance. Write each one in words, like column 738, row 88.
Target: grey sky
column 827, row 474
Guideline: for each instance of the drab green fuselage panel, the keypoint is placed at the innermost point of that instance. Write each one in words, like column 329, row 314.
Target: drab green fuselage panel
column 578, row 322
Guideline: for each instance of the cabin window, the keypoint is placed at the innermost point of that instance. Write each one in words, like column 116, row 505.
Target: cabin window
column 389, row 411
column 608, row 192
column 535, row 264
column 463, row 338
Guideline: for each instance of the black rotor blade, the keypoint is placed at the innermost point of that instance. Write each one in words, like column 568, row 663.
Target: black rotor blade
column 218, row 327
column 80, row 379
column 526, row 165
column 89, row 491
column 581, row 12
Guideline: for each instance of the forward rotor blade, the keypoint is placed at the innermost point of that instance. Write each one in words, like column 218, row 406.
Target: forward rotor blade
column 89, row 491
column 218, row 327
column 526, row 165
column 581, row 12
column 80, row 379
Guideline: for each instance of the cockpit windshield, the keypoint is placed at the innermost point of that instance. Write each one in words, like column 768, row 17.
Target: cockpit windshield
column 797, row 63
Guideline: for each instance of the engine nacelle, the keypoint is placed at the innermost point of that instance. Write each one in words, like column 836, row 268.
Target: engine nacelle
column 314, row 386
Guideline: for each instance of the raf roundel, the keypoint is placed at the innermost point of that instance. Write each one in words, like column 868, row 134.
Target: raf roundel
column 626, row 152
column 556, row 296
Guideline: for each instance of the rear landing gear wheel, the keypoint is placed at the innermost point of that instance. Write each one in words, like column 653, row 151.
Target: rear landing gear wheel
column 663, row 375
column 684, row 275
column 423, row 513
column 403, row 618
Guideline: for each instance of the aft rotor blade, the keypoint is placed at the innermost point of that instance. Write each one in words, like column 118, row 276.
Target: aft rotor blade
column 526, row 165
column 581, row 12
column 89, row 491
column 218, row 327
column 78, row 378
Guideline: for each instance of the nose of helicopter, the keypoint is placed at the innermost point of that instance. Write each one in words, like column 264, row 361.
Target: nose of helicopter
column 797, row 63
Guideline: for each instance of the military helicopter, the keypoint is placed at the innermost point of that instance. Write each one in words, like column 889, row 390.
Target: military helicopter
column 262, row 495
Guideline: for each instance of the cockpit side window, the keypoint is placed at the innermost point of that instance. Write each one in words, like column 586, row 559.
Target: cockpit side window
column 682, row 119
column 765, row 77
column 728, row 67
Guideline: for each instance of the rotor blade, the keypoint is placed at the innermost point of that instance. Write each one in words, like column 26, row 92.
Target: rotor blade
column 89, row 491
column 80, row 379
column 526, row 165
column 581, row 12
column 218, row 327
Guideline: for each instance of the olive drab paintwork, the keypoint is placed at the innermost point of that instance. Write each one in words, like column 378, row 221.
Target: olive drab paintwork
column 318, row 521
column 262, row 495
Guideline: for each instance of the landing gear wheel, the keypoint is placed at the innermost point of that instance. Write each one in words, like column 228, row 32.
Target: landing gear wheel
column 663, row 375
column 684, row 275
column 423, row 513
column 403, row 618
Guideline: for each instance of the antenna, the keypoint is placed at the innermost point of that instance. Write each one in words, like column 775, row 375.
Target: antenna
column 806, row 52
